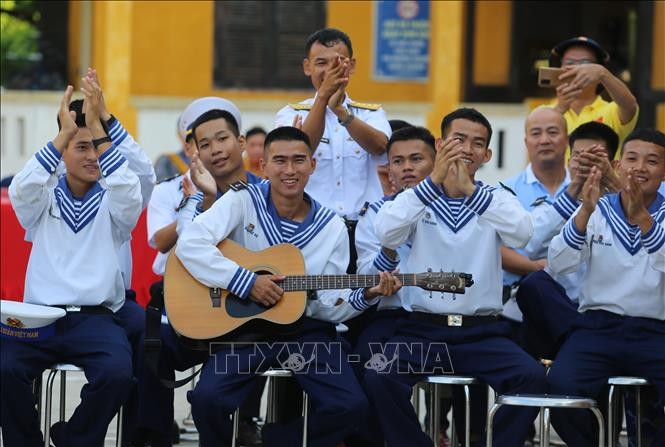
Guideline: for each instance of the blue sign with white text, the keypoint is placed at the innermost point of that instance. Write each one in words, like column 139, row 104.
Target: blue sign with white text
column 401, row 40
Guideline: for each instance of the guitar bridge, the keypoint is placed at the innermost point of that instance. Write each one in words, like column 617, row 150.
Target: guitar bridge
column 216, row 296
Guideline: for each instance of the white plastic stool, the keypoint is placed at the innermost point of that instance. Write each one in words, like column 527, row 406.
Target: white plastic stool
column 272, row 374
column 620, row 381
column 435, row 401
column 545, row 402
column 63, row 368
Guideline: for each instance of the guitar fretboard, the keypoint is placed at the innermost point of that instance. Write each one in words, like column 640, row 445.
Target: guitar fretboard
column 320, row 282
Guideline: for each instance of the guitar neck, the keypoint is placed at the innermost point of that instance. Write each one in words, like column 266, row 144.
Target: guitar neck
column 294, row 283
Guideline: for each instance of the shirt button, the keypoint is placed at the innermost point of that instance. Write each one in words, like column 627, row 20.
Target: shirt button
column 337, row 157
column 336, row 129
column 357, row 151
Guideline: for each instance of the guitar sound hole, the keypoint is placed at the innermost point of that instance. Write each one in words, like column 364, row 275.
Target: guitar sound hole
column 237, row 307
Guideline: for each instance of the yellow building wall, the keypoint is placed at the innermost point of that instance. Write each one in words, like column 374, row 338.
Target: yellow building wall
column 165, row 49
column 172, row 53
column 491, row 43
column 356, row 18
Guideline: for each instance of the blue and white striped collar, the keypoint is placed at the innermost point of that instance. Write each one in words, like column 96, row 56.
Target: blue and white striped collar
column 629, row 235
column 77, row 213
column 316, row 218
column 452, row 211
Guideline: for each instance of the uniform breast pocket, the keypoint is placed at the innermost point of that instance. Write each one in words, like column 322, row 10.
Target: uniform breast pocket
column 324, row 151
column 355, row 161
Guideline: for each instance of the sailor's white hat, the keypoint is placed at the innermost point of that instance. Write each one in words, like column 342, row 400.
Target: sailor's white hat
column 202, row 105
column 28, row 322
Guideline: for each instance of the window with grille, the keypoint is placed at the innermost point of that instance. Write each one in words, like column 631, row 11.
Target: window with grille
column 261, row 44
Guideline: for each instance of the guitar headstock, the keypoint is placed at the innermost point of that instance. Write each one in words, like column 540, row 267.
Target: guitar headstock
column 450, row 282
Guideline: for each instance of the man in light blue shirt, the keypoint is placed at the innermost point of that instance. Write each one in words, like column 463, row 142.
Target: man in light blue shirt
column 544, row 179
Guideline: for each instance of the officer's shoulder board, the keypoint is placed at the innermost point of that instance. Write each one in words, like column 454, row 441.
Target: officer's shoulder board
column 507, row 188
column 168, row 179
column 539, row 201
column 300, row 106
column 363, row 210
column 238, row 186
column 365, row 105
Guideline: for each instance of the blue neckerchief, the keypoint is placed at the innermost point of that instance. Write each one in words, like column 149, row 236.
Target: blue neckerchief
column 629, row 235
column 77, row 213
column 271, row 222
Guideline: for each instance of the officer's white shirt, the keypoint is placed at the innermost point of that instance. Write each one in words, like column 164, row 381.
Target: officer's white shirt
column 625, row 269
column 74, row 258
column 245, row 217
column 345, row 175
column 371, row 259
column 455, row 235
column 163, row 211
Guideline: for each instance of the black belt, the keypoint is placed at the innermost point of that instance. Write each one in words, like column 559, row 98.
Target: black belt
column 453, row 320
column 99, row 310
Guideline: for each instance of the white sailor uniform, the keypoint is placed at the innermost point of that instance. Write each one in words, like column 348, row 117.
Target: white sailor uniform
column 620, row 329
column 73, row 262
column 248, row 217
column 463, row 235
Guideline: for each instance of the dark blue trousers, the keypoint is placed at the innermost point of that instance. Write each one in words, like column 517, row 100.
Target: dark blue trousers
column 603, row 344
column 156, row 400
column 423, row 349
column 338, row 404
column 382, row 327
column 132, row 317
column 547, row 314
column 96, row 343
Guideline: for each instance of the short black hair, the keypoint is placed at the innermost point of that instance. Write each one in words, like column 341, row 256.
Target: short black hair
column 255, row 131
column 286, row 133
column 75, row 106
column 594, row 130
column 399, row 124
column 649, row 135
column 211, row 115
column 466, row 113
column 412, row 133
column 328, row 37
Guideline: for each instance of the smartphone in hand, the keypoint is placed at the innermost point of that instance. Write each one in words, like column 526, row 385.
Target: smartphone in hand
column 549, row 76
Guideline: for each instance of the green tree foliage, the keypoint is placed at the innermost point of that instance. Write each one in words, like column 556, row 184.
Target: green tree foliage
column 19, row 37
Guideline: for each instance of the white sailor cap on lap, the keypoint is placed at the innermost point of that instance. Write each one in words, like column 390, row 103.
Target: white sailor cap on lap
column 28, row 322
column 202, row 105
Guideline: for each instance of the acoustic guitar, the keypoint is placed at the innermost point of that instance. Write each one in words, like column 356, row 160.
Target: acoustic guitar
column 201, row 313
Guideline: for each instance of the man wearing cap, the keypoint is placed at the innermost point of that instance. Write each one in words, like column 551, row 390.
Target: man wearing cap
column 77, row 224
column 349, row 137
column 578, row 98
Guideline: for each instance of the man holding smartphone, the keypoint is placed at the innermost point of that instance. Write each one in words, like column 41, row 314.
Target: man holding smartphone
column 584, row 76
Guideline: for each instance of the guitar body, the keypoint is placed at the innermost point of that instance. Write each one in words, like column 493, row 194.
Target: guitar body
column 190, row 308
